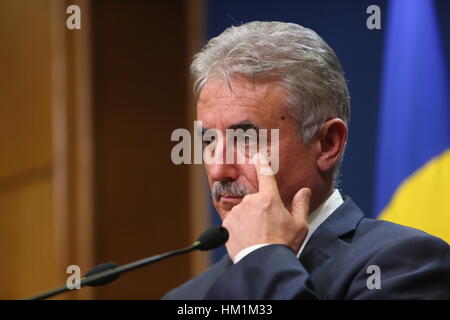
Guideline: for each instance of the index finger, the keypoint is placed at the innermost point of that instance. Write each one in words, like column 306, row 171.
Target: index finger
column 266, row 177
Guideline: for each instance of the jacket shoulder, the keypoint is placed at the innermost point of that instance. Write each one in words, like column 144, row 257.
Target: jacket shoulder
column 389, row 233
column 412, row 264
column 196, row 288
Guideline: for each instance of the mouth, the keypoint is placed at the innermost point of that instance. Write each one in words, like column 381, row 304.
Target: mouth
column 228, row 195
column 234, row 199
column 226, row 202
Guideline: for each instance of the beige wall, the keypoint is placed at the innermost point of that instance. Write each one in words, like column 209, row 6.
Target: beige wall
column 85, row 124
column 28, row 260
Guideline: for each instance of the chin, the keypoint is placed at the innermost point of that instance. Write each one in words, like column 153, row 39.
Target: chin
column 224, row 207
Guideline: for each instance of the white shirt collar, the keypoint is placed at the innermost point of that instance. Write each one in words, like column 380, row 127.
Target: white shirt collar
column 318, row 216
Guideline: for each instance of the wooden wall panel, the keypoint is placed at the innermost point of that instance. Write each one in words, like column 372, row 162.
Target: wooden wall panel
column 26, row 239
column 75, row 142
column 25, row 87
column 85, row 123
column 26, row 201
column 45, row 194
column 140, row 89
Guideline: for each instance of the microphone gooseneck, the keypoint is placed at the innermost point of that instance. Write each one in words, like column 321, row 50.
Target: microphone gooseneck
column 108, row 272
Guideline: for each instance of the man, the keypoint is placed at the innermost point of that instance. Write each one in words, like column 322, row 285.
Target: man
column 292, row 235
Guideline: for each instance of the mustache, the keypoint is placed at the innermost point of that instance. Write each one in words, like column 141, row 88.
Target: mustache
column 230, row 188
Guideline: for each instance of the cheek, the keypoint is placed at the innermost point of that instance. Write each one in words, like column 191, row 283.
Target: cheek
column 210, row 180
column 285, row 180
column 296, row 170
column 249, row 177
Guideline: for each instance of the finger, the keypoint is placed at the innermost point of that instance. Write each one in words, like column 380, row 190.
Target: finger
column 266, row 177
column 301, row 204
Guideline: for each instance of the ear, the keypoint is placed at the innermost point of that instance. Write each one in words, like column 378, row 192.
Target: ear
column 333, row 136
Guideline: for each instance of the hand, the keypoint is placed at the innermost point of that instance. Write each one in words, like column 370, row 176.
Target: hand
column 262, row 217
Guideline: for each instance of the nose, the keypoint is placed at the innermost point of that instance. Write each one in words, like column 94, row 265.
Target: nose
column 222, row 172
column 219, row 169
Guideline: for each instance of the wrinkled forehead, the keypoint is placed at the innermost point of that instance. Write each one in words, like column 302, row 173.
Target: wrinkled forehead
column 221, row 105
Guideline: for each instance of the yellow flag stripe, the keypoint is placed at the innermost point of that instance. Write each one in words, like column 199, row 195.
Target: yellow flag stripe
column 422, row 201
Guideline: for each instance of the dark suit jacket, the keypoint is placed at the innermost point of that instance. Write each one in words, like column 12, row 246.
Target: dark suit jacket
column 334, row 265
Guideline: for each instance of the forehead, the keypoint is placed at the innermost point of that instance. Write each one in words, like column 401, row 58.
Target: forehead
column 260, row 102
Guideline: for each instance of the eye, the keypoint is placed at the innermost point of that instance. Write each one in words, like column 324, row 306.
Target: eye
column 250, row 138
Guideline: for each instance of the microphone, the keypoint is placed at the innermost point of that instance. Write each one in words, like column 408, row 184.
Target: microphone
column 100, row 268
column 212, row 238
column 108, row 272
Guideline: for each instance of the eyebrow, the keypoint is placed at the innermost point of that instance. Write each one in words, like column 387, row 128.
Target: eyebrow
column 244, row 125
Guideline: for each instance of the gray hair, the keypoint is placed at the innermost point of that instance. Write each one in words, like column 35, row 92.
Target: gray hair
column 295, row 56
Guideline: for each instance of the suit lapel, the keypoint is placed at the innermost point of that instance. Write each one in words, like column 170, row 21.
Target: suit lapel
column 332, row 237
column 340, row 225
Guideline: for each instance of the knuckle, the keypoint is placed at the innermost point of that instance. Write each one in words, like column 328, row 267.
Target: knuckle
column 303, row 226
column 266, row 202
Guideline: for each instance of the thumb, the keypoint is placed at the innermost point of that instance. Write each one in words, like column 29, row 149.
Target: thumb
column 300, row 204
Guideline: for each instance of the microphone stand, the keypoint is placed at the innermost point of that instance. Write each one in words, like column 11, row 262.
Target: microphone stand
column 117, row 271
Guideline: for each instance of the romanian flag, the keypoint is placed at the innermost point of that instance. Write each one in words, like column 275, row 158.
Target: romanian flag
column 412, row 181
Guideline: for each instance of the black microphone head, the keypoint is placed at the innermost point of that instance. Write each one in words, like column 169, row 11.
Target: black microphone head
column 100, row 268
column 212, row 238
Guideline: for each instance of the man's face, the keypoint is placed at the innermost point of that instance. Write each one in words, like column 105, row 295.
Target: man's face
column 253, row 105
